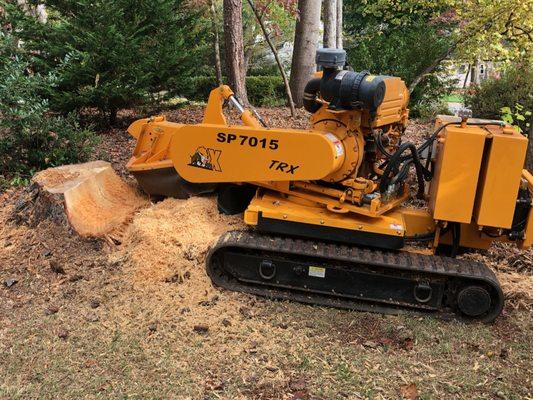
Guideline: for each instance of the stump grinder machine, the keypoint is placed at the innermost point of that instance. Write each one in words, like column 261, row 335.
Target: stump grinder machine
column 332, row 210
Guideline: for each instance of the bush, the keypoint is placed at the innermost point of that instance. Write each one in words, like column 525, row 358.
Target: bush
column 110, row 54
column 263, row 69
column 32, row 138
column 262, row 90
column 514, row 87
column 266, row 90
column 427, row 111
column 388, row 49
column 195, row 88
column 428, row 99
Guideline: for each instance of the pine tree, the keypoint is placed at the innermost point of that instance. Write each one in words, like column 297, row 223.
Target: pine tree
column 111, row 54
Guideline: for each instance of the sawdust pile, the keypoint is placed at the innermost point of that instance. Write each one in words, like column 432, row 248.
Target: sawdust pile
column 514, row 269
column 518, row 289
column 169, row 241
column 162, row 263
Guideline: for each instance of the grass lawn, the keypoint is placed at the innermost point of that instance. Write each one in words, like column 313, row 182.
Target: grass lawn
column 454, row 98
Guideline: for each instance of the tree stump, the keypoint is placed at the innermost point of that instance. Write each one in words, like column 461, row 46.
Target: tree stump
column 90, row 198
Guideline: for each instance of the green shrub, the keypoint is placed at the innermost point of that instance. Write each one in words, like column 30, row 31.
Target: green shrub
column 195, row 88
column 515, row 86
column 262, row 90
column 428, row 110
column 518, row 116
column 32, row 138
column 263, row 69
column 111, row 54
column 266, row 90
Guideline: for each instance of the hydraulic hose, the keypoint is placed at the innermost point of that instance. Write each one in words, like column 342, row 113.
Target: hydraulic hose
column 310, row 95
column 394, row 163
column 379, row 143
column 434, row 135
column 456, row 239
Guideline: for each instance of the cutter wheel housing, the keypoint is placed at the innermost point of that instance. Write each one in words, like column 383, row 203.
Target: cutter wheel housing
column 343, row 188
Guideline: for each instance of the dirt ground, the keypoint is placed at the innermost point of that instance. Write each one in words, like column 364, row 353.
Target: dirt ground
column 137, row 317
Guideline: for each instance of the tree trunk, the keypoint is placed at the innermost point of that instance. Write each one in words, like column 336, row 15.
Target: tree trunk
column 466, row 76
column 113, row 116
column 90, row 198
column 339, row 24
column 216, row 43
column 278, row 61
column 474, row 79
column 233, row 38
column 305, row 43
column 330, row 23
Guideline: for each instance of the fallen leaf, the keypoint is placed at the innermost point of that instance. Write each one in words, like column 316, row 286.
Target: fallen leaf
column 200, row 328
column 91, row 362
column 408, row 344
column 62, row 334
column 300, row 395
column 370, row 344
column 409, row 391
column 298, row 385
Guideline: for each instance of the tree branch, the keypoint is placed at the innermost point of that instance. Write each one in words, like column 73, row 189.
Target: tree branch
column 431, row 67
column 465, row 35
column 275, row 52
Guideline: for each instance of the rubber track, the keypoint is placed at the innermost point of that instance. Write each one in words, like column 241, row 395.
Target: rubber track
column 402, row 261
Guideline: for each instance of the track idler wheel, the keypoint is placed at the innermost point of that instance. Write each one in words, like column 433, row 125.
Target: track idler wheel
column 474, row 301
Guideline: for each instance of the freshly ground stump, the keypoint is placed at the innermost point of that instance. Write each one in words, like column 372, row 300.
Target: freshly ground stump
column 90, row 198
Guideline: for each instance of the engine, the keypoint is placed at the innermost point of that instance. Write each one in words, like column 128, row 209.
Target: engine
column 367, row 113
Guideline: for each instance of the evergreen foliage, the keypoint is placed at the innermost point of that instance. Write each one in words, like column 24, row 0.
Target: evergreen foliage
column 262, row 90
column 31, row 137
column 111, row 54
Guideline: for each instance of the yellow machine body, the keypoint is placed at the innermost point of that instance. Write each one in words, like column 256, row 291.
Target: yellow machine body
column 394, row 109
column 343, row 187
column 458, row 162
column 330, row 204
column 477, row 174
column 211, row 153
column 499, row 180
column 477, row 170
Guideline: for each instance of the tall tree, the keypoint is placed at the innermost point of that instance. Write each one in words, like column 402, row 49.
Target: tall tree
column 305, row 44
column 216, row 42
column 233, row 38
column 330, row 23
column 339, row 30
